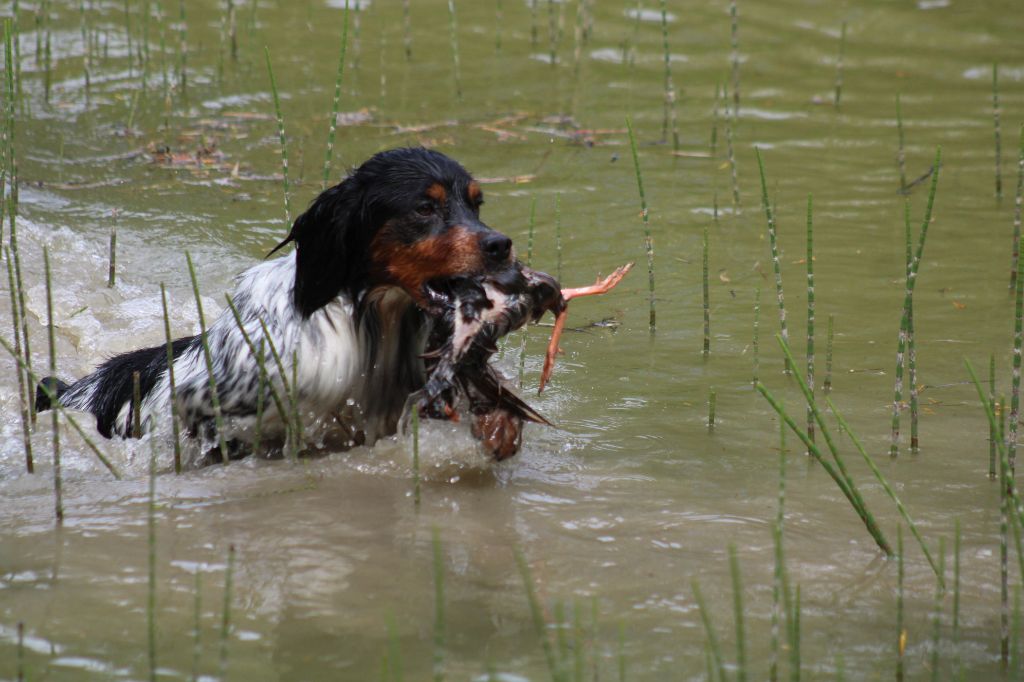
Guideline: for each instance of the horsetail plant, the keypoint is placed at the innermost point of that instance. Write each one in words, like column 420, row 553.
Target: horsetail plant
column 734, row 22
column 757, row 323
column 705, row 302
column 175, row 428
column 737, row 595
column 1014, row 265
column 1017, row 337
column 997, row 130
column 840, row 480
column 51, row 396
column 839, row 66
column 284, row 144
column 670, row 90
column 136, row 405
column 826, row 385
column 732, row 161
column 901, row 633
column 901, row 159
column 851, row 486
column 208, row 357
column 537, row 616
column 23, row 396
column 810, row 313
column 770, row 215
column 406, row 28
column 911, row 276
column 709, row 630
column 844, row 426
column 55, row 414
column 332, row 129
column 711, row 408
column 648, row 242
column 453, row 35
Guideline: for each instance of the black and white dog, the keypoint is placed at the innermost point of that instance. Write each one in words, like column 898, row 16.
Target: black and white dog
column 344, row 312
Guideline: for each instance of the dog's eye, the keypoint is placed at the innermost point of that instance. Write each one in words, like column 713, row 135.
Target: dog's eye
column 426, row 209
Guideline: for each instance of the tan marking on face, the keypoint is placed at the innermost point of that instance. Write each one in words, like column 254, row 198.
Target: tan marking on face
column 437, row 192
column 474, row 192
column 410, row 266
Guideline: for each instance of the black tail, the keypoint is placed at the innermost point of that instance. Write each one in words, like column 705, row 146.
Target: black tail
column 47, row 387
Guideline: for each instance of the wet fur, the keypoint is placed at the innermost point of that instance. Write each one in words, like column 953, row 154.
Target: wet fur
column 342, row 308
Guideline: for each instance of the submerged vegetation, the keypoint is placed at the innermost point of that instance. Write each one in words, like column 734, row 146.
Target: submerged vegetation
column 191, row 109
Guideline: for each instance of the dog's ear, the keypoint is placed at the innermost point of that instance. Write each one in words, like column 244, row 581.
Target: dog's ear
column 330, row 246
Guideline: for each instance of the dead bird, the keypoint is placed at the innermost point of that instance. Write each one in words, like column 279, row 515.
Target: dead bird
column 470, row 315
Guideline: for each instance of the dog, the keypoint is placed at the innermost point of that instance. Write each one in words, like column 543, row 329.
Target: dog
column 344, row 314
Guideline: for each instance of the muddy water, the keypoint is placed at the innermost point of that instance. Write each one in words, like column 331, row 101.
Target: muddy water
column 630, row 498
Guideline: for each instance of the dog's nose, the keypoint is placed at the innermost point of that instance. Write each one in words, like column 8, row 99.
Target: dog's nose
column 496, row 246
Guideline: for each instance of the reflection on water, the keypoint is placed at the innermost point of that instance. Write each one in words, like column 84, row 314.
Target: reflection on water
column 629, row 499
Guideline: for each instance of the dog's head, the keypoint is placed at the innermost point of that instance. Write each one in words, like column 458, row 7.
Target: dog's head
column 405, row 218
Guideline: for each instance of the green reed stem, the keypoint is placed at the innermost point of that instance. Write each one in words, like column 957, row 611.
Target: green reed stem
column 552, row 34
column 841, row 480
column 956, row 596
column 705, row 298
column 1018, row 315
column 197, row 639
column 1004, row 574
column 55, row 414
column 709, row 630
column 844, row 426
column 826, row 385
column 711, row 408
column 183, row 48
column 730, row 152
column 136, row 406
column 901, row 158
column 757, row 324
column 839, row 66
column 998, row 135
column 810, row 311
column 406, row 29
column 51, row 395
column 284, row 412
column 1014, row 633
column 225, row 624
column 416, row 456
column 537, row 615
column 901, row 633
column 24, row 387
column 175, row 427
column 261, row 387
column 648, row 242
column 151, row 561
column 439, row 610
column 737, row 593
column 670, row 90
column 290, row 391
column 992, row 435
column 907, row 303
column 1015, row 264
column 715, row 114
column 208, row 357
column 1009, row 483
column 794, row 648
column 332, row 129
column 778, row 578
column 773, row 242
column 284, row 143
column 453, row 34
column 734, row 22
